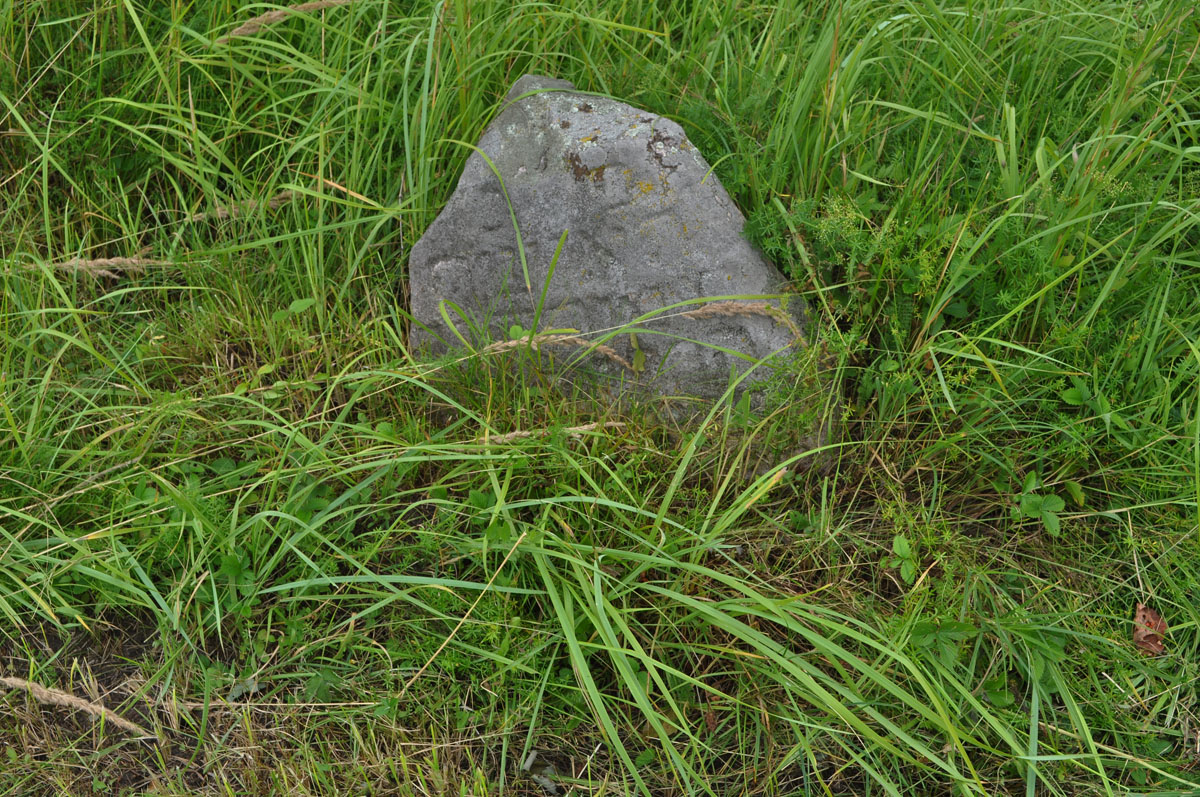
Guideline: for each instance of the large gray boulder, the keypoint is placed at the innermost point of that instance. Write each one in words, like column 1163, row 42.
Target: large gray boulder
column 648, row 226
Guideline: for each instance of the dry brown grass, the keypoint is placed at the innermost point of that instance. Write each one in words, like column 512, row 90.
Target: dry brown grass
column 734, row 308
column 256, row 24
column 539, row 341
column 521, row 435
column 104, row 266
column 242, row 208
column 56, row 697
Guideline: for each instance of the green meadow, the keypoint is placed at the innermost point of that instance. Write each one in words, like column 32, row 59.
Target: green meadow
column 251, row 544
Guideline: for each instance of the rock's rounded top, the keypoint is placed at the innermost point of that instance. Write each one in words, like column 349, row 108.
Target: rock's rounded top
column 648, row 227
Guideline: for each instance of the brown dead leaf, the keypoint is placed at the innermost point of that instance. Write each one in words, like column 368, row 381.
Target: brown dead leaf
column 1148, row 630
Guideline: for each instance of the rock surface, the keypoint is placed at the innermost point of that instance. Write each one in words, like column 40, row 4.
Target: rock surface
column 648, row 226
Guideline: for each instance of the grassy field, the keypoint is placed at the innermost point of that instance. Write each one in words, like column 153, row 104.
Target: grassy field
column 287, row 557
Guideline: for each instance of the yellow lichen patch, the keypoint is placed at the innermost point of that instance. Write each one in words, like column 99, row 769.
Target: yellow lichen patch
column 645, row 187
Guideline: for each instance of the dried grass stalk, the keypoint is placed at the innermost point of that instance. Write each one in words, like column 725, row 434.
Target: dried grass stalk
column 559, row 340
column 734, row 308
column 54, row 697
column 508, row 438
column 104, row 266
column 256, row 24
column 242, row 208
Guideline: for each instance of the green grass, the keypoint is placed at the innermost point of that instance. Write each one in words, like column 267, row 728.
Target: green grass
column 236, row 511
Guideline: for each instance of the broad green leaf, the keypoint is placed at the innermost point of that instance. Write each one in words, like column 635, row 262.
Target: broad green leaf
column 480, row 499
column 996, row 689
column 639, row 361
column 957, row 630
column 499, row 530
column 924, row 633
column 1073, row 396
